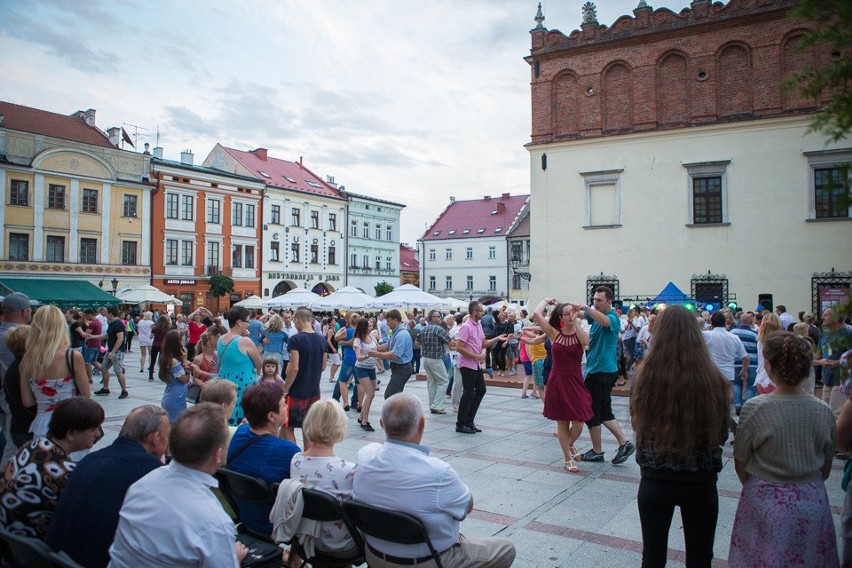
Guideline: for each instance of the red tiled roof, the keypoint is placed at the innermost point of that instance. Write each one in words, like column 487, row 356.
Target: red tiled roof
column 488, row 217
column 283, row 174
column 37, row 121
column 408, row 259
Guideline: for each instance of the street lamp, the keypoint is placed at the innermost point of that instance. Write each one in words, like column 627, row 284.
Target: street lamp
column 516, row 262
column 114, row 283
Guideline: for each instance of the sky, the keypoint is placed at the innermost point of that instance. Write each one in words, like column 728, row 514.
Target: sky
column 408, row 100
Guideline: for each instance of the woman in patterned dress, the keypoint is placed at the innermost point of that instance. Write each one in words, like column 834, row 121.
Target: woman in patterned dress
column 239, row 359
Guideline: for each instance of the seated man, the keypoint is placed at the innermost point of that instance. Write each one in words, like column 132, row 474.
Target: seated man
column 87, row 513
column 400, row 475
column 170, row 517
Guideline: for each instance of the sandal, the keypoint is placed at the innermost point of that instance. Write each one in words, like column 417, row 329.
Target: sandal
column 525, row 395
column 575, row 455
column 571, row 466
column 621, row 382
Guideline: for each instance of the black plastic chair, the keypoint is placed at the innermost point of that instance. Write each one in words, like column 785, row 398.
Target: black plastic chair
column 239, row 486
column 25, row 551
column 393, row 526
column 62, row 560
column 324, row 507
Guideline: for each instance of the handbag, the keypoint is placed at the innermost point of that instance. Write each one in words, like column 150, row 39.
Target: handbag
column 261, row 554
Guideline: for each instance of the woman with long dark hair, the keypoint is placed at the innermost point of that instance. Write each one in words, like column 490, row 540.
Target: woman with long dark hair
column 158, row 332
column 173, row 366
column 365, row 369
column 679, row 409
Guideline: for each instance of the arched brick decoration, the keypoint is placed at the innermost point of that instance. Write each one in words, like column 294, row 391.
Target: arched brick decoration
column 565, row 92
column 733, row 81
column 617, row 98
column 794, row 58
column 672, row 90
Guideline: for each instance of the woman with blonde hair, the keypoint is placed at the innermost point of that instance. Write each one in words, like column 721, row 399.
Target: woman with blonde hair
column 143, row 329
column 802, row 329
column 768, row 324
column 679, row 409
column 274, row 340
column 50, row 371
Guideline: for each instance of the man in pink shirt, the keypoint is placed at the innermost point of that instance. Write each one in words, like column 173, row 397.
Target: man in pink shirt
column 471, row 341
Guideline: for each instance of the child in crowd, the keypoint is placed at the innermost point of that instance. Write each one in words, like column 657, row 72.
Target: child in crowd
column 270, row 372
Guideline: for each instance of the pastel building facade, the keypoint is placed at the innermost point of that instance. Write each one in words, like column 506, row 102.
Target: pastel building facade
column 372, row 242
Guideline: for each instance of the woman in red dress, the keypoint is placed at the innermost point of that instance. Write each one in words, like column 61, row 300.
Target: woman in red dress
column 568, row 401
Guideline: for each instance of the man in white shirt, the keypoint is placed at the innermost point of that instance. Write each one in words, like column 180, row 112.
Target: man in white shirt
column 400, row 475
column 725, row 348
column 290, row 329
column 786, row 319
column 170, row 517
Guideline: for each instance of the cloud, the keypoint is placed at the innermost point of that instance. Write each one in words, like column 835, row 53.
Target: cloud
column 189, row 124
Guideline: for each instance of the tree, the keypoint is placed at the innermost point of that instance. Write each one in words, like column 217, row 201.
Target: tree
column 383, row 288
column 834, row 28
column 221, row 285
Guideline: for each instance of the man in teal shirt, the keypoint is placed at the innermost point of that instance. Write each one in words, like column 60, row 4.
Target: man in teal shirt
column 601, row 374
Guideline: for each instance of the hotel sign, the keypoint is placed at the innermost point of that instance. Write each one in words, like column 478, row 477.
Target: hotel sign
column 303, row 276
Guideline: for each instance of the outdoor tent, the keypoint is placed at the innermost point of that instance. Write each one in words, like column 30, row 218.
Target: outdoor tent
column 295, row 298
column 408, row 296
column 145, row 294
column 61, row 293
column 251, row 303
column 346, row 298
column 671, row 294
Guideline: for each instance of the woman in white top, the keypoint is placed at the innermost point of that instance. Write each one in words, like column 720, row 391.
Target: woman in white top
column 143, row 329
column 365, row 369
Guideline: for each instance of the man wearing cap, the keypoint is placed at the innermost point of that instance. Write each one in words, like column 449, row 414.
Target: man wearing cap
column 16, row 312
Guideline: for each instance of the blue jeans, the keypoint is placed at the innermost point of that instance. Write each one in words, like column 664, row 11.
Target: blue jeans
column 751, row 391
column 347, row 370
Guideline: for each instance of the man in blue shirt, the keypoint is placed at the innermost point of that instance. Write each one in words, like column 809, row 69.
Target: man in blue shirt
column 744, row 331
column 399, row 351
column 602, row 372
column 255, row 329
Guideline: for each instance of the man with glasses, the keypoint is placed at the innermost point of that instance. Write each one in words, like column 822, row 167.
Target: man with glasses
column 434, row 344
column 470, row 342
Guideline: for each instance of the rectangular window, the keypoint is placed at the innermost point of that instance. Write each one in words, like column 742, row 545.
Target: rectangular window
column 378, row 263
column 237, row 215
column 19, row 193
column 353, row 229
column 449, row 283
column 707, row 200
column 389, row 233
column 249, row 215
column 469, row 283
column 314, row 254
column 276, row 215
column 89, row 251
column 171, row 252
column 295, row 217
column 388, row 264
column 249, row 256
column 90, row 200
column 214, row 264
column 468, row 253
column 332, row 221
column 448, row 254
column 186, row 209
column 492, row 283
column 172, row 205
column 275, row 253
column 56, row 196
column 214, row 211
column 830, row 190
column 431, row 282
column 431, row 254
column 378, row 232
column 128, row 253
column 130, row 206
column 353, row 261
column 19, row 246
column 332, row 255
column 365, row 261
column 294, row 252
column 55, row 251
column 314, row 219
column 492, row 253
column 187, row 255
column 366, row 232
column 237, row 256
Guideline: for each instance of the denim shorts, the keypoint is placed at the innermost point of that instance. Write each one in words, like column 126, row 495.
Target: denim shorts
column 346, row 372
column 90, row 354
column 364, row 373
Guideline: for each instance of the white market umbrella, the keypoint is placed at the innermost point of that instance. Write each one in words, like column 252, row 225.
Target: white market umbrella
column 295, row 298
column 251, row 303
column 459, row 304
column 346, row 298
column 408, row 296
column 145, row 293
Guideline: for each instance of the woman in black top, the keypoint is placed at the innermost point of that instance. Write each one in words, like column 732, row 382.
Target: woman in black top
column 498, row 351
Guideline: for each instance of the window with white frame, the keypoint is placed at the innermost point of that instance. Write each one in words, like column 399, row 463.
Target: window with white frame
column 314, row 253
column 366, row 232
column 249, row 220
column 130, row 203
column 275, row 215
column 89, row 251
column 365, row 261
column 828, row 184
column 492, row 283
column 294, row 252
column 469, row 282
column 214, row 211
column 492, row 253
column 187, row 205
column 389, row 233
column 172, row 205
column 708, row 193
column 448, row 254
column 468, row 253
column 295, row 217
column 19, row 246
column 378, row 263
column 214, row 262
column 602, row 202
column 19, row 192
column 388, row 263
column 448, row 283
column 275, row 251
column 353, row 261
column 432, row 283
column 248, row 256
column 56, row 196
column 55, row 251
column 432, row 254
column 378, row 232
column 315, row 219
column 353, row 229
column 237, row 256
column 332, row 254
column 128, row 253
column 332, row 221
column 90, row 200
column 171, row 252
column 237, row 214
column 187, row 253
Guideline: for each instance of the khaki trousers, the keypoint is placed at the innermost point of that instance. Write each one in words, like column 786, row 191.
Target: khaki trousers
column 468, row 553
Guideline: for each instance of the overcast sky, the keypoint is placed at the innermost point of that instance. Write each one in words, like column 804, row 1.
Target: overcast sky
column 409, row 100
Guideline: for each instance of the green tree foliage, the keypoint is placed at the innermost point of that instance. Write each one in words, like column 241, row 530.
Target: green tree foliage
column 834, row 28
column 383, row 288
column 221, row 285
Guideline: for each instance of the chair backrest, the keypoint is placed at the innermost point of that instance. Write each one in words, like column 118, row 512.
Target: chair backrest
column 385, row 524
column 245, row 487
column 26, row 551
column 62, row 560
column 321, row 506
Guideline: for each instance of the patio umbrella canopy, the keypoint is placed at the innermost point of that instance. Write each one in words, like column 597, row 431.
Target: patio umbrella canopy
column 295, row 298
column 408, row 296
column 61, row 293
column 145, row 294
column 346, row 298
column 458, row 304
column 251, row 303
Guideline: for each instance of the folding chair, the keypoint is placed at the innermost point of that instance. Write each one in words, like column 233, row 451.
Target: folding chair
column 324, row 507
column 393, row 526
column 239, row 486
column 25, row 551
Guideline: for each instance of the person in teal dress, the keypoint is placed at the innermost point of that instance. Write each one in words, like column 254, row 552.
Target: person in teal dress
column 239, row 358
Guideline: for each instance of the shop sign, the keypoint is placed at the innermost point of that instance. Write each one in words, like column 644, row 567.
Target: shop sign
column 303, row 276
column 181, row 282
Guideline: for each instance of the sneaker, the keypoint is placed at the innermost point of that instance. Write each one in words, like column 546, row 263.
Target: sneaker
column 123, row 394
column 624, row 452
column 366, row 426
column 438, row 411
column 102, row 391
column 591, row 456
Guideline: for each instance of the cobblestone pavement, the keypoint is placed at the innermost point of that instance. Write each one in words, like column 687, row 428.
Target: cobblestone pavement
column 514, row 469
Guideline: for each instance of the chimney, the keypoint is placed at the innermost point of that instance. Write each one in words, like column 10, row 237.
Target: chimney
column 158, row 152
column 260, row 153
column 452, row 199
column 501, row 207
column 330, row 181
column 300, row 163
column 185, row 157
column 88, row 116
column 504, row 196
column 487, row 197
column 114, row 134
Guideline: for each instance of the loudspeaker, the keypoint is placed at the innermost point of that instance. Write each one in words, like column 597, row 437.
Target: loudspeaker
column 765, row 300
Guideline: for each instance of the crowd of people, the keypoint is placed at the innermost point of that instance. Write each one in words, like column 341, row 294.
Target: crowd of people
column 237, row 386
